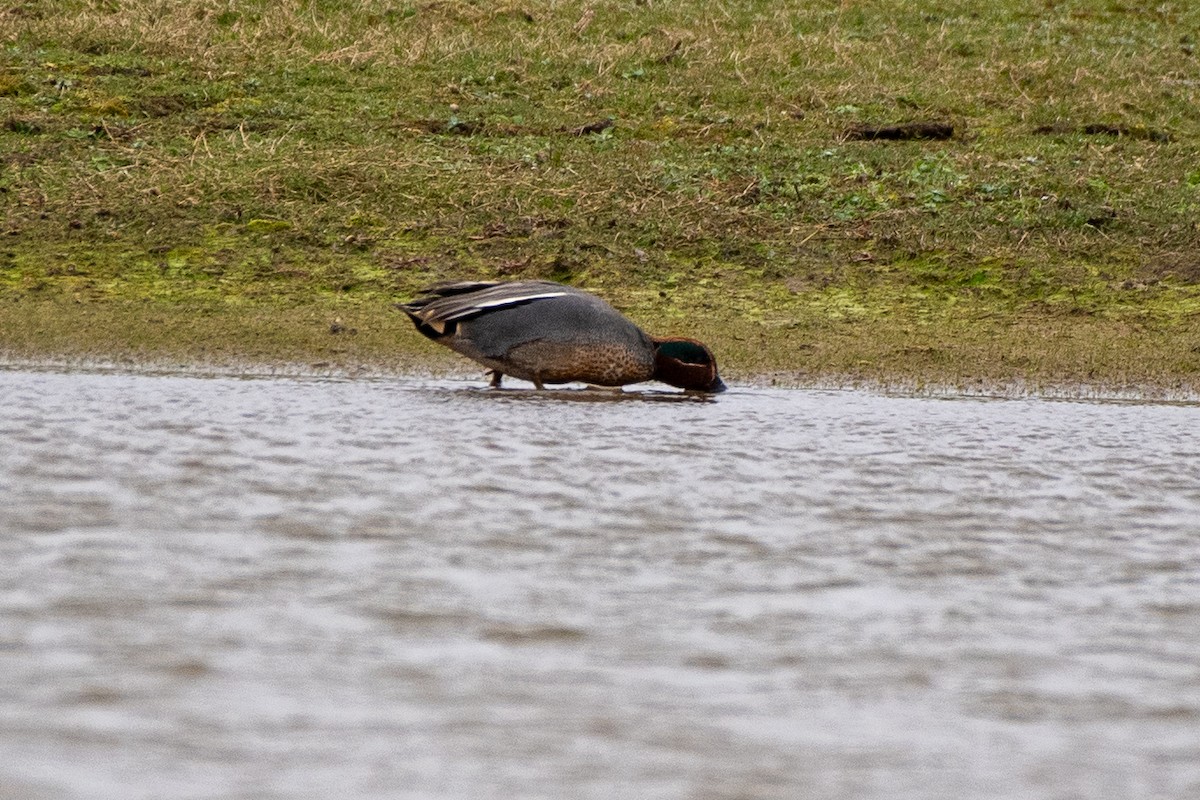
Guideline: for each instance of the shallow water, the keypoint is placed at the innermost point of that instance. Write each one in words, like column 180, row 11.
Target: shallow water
column 401, row 588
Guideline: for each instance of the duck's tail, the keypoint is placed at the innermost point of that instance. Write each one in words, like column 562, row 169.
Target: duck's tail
column 413, row 310
column 428, row 324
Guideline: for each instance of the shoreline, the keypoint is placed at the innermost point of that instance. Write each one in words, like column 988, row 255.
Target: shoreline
column 297, row 343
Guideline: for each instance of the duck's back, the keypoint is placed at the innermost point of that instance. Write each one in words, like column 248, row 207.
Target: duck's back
column 573, row 317
column 545, row 330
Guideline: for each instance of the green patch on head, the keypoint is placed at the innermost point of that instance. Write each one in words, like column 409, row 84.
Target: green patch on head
column 685, row 351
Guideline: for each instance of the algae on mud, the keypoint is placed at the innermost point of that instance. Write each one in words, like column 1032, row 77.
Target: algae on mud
column 202, row 181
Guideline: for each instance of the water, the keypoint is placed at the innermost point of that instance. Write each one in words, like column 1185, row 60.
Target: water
column 302, row 588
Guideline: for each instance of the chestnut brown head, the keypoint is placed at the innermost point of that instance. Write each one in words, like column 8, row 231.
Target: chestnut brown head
column 687, row 364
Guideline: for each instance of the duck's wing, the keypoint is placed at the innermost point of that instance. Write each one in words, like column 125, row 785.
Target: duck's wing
column 449, row 288
column 444, row 303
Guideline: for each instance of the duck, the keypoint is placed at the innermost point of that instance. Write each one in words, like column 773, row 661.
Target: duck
column 550, row 333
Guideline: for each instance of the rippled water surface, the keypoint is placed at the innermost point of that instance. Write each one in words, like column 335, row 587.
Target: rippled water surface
column 401, row 588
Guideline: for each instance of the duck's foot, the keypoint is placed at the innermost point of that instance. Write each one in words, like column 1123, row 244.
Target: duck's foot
column 537, row 383
column 496, row 376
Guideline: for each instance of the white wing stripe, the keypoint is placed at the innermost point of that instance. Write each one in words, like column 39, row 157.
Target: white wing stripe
column 500, row 302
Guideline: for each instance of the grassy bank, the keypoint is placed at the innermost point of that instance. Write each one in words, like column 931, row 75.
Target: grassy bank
column 943, row 191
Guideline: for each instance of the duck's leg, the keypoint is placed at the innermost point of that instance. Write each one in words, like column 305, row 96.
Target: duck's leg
column 496, row 376
column 537, row 382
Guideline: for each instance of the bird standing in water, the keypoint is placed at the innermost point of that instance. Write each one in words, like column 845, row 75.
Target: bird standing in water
column 546, row 332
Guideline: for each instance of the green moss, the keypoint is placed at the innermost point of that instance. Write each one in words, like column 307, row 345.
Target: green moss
column 267, row 225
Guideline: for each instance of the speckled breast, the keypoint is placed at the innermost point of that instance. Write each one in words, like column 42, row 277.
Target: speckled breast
column 601, row 363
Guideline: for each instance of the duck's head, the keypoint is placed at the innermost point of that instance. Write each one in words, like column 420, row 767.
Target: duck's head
column 687, row 364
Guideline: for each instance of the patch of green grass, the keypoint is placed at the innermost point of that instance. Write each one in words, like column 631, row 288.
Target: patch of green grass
column 696, row 163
